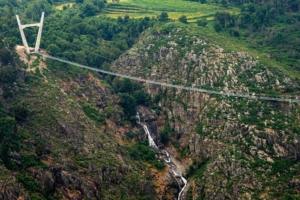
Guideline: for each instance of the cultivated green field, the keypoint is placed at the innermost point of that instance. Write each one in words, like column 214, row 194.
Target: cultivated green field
column 60, row 7
column 152, row 8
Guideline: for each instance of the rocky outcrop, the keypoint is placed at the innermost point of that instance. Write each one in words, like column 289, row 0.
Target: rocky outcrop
column 224, row 138
column 146, row 114
column 10, row 190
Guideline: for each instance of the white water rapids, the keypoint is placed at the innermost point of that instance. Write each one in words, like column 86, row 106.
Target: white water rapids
column 176, row 173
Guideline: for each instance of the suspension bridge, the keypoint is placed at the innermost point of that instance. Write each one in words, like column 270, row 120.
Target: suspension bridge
column 229, row 94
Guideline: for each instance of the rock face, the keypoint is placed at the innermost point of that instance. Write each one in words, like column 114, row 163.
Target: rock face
column 146, row 114
column 233, row 147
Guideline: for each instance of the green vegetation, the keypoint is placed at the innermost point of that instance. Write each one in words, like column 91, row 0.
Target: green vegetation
column 271, row 28
column 153, row 8
column 145, row 153
column 282, row 166
column 131, row 95
column 30, row 103
column 164, row 134
column 198, row 128
column 30, row 160
column 93, row 114
column 197, row 168
column 29, row 183
column 183, row 19
column 83, row 33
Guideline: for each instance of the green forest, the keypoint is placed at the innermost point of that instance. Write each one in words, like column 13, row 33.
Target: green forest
column 272, row 27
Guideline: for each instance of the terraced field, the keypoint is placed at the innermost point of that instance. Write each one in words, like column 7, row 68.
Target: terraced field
column 152, row 8
column 60, row 7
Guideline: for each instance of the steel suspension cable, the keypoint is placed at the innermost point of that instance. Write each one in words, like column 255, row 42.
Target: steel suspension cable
column 173, row 86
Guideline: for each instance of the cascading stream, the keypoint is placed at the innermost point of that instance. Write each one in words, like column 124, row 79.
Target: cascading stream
column 176, row 173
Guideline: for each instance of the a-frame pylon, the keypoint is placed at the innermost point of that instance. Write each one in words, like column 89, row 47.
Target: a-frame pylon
column 38, row 39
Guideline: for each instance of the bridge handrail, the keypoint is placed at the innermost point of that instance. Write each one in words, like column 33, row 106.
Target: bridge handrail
column 173, row 86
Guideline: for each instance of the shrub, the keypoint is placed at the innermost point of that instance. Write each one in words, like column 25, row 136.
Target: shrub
column 5, row 56
column 281, row 166
column 145, row 153
column 163, row 17
column 164, row 137
column 29, row 160
column 218, row 27
column 234, row 32
column 93, row 114
column 198, row 128
column 202, row 23
column 128, row 103
column 183, row 19
column 19, row 111
column 8, row 74
column 29, row 183
column 141, row 97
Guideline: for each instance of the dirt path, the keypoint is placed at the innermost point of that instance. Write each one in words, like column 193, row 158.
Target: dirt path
column 29, row 60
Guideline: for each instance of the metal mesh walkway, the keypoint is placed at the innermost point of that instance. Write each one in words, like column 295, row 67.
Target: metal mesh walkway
column 173, row 86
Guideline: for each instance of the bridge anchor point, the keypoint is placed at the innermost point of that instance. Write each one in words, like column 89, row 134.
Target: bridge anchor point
column 38, row 39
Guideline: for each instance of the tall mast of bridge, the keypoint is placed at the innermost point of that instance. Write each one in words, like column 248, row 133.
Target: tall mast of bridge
column 38, row 39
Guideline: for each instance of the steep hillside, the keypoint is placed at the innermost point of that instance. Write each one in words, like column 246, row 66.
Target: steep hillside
column 230, row 147
column 63, row 135
column 68, row 133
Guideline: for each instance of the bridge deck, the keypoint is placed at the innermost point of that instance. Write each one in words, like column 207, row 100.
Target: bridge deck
column 174, row 86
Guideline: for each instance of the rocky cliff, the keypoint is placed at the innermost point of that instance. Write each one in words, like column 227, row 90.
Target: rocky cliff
column 229, row 147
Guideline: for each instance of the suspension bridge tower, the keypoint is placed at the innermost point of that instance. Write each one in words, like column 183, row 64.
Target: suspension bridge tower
column 38, row 39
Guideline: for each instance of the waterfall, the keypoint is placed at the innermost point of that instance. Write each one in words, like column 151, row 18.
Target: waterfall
column 176, row 173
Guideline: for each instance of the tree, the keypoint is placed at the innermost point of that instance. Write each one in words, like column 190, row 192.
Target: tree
column 223, row 18
column 122, row 85
column 88, row 9
column 164, row 137
column 140, row 97
column 19, row 111
column 128, row 103
column 202, row 23
column 218, row 27
column 224, row 3
column 234, row 32
column 164, row 134
column 120, row 19
column 7, row 74
column 163, row 17
column 126, row 19
column 53, row 49
column 7, row 126
column 183, row 19
column 4, row 152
